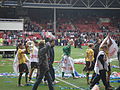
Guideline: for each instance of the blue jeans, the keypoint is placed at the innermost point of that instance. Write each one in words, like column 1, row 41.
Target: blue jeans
column 40, row 77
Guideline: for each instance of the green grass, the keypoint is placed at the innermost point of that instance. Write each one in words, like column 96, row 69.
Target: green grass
column 76, row 52
column 7, row 47
column 8, row 83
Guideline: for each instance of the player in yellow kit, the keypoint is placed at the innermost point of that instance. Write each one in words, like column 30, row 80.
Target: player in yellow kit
column 22, row 63
column 89, row 61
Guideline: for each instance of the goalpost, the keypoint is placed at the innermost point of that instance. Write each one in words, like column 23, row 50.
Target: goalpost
column 11, row 24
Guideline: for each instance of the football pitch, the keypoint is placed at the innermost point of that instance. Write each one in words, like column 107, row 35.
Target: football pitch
column 10, row 82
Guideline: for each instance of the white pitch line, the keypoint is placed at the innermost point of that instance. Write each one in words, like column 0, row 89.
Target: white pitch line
column 69, row 83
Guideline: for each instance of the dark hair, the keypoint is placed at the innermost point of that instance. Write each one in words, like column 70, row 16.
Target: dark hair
column 104, row 46
column 20, row 44
column 47, row 40
column 51, row 40
column 90, row 45
column 35, row 42
column 41, row 44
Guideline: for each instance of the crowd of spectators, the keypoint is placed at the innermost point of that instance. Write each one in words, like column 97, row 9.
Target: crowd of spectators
column 88, row 29
column 82, row 24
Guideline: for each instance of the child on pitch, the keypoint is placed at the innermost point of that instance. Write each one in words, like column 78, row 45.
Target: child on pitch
column 33, row 59
column 89, row 61
column 67, row 61
column 22, row 63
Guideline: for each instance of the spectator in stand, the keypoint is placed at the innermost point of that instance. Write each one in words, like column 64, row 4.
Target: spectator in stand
column 75, row 42
column 80, row 43
column 59, row 41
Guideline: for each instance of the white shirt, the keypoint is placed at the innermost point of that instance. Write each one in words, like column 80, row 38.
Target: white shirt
column 98, row 65
column 34, row 55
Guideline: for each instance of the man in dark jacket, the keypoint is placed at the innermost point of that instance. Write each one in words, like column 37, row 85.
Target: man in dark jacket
column 96, row 51
column 43, row 66
column 51, row 61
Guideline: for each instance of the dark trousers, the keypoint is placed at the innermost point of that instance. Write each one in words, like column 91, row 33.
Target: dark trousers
column 118, row 58
column 98, row 77
column 40, row 77
column 52, row 72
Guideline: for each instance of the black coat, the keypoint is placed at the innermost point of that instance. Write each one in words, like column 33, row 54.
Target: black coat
column 51, row 55
column 43, row 58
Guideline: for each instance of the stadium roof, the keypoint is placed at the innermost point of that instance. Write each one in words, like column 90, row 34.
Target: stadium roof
column 63, row 4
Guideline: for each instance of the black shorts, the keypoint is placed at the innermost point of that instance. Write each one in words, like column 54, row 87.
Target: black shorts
column 34, row 65
column 109, row 67
column 87, row 68
column 23, row 67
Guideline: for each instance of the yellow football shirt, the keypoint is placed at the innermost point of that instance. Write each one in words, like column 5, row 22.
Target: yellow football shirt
column 21, row 56
column 89, row 55
column 107, row 52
